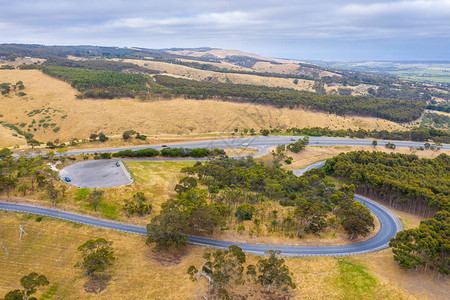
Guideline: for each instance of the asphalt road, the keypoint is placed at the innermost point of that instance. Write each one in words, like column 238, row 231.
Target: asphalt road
column 103, row 173
column 389, row 227
column 300, row 172
column 261, row 143
column 389, row 222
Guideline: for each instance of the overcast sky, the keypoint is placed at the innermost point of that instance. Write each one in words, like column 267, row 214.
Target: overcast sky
column 320, row 29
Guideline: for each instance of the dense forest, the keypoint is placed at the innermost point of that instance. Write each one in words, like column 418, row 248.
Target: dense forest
column 405, row 182
column 100, row 84
column 391, row 109
column 425, row 247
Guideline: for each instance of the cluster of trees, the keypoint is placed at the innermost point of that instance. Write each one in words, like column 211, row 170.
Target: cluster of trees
column 445, row 107
column 137, row 204
column 26, row 174
column 391, row 109
column 239, row 190
column 280, row 153
column 436, row 120
column 129, row 133
column 171, row 152
column 189, row 212
column 387, row 86
column 425, row 247
column 30, row 283
column 415, row 134
column 7, row 87
column 7, row 67
column 100, row 84
column 100, row 136
column 97, row 258
column 406, row 182
column 404, row 91
column 224, row 267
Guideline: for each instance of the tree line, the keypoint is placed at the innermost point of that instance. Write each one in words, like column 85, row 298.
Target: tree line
column 391, row 109
column 418, row 134
column 99, row 65
column 404, row 181
column 170, row 152
column 420, row 186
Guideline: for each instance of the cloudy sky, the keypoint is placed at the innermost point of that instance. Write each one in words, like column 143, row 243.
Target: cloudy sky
column 299, row 29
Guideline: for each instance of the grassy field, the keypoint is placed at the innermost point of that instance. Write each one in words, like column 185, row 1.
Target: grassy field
column 50, row 248
column 51, row 111
column 440, row 74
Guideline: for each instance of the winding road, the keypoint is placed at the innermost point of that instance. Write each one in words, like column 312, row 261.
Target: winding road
column 390, row 225
column 389, row 222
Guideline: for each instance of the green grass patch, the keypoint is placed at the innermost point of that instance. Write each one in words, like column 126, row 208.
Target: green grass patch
column 109, row 211
column 354, row 282
column 50, row 292
column 81, row 194
column 342, row 147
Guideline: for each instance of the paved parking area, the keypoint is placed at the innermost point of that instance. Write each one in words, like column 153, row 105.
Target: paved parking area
column 96, row 173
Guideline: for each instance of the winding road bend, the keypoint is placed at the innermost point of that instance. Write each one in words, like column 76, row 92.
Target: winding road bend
column 390, row 225
column 389, row 222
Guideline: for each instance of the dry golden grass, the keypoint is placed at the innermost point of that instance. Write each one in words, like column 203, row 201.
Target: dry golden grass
column 8, row 139
column 156, row 179
column 79, row 118
column 50, row 248
column 196, row 74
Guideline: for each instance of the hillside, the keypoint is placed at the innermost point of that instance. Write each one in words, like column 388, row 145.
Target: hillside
column 236, row 78
column 55, row 102
column 141, row 273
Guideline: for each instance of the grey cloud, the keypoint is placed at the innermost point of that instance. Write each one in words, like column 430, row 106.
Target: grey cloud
column 258, row 26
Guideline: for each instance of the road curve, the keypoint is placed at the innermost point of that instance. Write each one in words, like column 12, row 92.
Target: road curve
column 389, row 222
column 390, row 225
